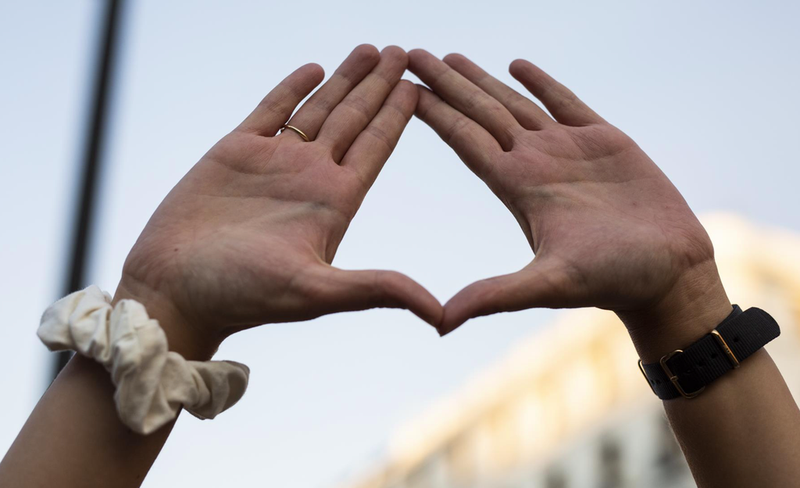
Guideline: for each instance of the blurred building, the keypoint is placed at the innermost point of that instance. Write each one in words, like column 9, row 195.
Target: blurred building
column 569, row 408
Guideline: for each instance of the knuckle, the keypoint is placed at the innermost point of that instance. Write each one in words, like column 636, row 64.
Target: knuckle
column 426, row 105
column 321, row 104
column 360, row 105
column 272, row 107
column 456, row 130
column 380, row 135
column 385, row 78
column 380, row 295
column 515, row 101
column 390, row 284
column 439, row 76
column 360, row 182
column 474, row 101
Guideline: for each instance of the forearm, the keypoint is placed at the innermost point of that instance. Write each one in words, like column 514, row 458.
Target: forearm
column 75, row 438
column 744, row 429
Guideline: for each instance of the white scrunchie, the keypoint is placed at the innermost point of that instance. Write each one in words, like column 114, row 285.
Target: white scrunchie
column 152, row 382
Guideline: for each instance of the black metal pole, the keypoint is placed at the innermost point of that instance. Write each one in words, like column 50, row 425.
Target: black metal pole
column 96, row 130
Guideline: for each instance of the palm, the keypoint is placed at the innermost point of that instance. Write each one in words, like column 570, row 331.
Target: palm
column 248, row 235
column 232, row 232
column 607, row 227
column 614, row 224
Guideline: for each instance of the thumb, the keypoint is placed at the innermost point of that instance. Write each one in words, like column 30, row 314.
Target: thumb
column 346, row 291
column 533, row 286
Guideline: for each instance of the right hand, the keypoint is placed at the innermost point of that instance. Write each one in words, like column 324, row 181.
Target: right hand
column 607, row 227
column 248, row 235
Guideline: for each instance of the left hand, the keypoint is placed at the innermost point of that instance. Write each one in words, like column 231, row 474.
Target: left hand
column 607, row 227
column 248, row 235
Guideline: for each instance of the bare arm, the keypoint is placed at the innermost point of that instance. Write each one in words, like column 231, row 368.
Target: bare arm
column 744, row 429
column 246, row 238
column 74, row 437
column 608, row 230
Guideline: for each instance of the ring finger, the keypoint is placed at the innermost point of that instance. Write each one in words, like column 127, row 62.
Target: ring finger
column 348, row 75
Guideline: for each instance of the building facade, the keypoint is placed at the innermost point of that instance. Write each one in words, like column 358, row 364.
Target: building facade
column 569, row 408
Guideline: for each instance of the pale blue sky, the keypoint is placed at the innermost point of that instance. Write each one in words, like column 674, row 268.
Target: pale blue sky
column 708, row 89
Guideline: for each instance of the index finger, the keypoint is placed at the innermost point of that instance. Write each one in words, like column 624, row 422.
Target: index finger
column 566, row 108
column 524, row 110
column 463, row 95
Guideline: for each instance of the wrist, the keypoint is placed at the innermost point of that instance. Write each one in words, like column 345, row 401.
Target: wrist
column 696, row 305
column 183, row 337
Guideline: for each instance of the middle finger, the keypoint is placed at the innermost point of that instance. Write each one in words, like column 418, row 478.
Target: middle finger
column 358, row 108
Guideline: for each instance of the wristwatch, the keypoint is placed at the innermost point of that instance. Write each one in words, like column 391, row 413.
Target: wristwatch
column 686, row 372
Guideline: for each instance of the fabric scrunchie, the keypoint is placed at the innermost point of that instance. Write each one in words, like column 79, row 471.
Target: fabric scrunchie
column 152, row 383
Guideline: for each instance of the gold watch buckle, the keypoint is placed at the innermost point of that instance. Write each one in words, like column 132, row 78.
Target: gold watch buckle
column 724, row 346
column 674, row 378
column 641, row 368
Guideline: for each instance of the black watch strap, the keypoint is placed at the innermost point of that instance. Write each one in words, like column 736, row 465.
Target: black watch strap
column 686, row 372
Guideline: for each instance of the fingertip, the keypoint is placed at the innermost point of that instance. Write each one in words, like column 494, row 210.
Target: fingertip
column 429, row 309
column 476, row 300
column 431, row 318
column 449, row 323
column 407, row 84
column 425, row 99
column 445, row 333
column 314, row 71
column 454, row 58
column 519, row 66
column 414, row 94
column 416, row 56
column 404, row 292
column 464, row 66
column 519, row 62
column 404, row 97
column 408, row 90
column 425, row 92
column 394, row 49
column 359, row 62
column 396, row 52
column 453, row 317
column 366, row 51
column 434, row 320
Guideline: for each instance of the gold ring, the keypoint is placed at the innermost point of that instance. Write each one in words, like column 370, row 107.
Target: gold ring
column 302, row 134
